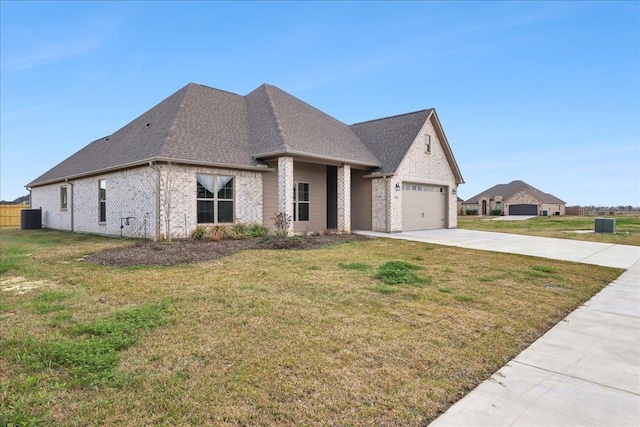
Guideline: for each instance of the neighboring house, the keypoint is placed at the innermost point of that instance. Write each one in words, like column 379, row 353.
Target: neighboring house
column 515, row 198
column 206, row 156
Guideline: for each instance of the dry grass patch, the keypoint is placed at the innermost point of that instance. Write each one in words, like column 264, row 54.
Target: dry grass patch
column 287, row 337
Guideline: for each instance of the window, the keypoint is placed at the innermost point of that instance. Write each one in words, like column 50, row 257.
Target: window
column 215, row 199
column 427, row 143
column 301, row 201
column 102, row 200
column 63, row 198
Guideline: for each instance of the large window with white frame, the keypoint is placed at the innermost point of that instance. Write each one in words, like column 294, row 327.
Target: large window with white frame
column 301, row 201
column 214, row 199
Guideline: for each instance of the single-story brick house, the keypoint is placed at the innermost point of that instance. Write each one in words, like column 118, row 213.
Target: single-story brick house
column 515, row 198
column 206, row 156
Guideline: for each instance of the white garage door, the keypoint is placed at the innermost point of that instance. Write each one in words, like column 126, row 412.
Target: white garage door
column 423, row 207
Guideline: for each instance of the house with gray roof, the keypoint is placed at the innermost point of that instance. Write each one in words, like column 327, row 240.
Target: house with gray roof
column 515, row 198
column 205, row 156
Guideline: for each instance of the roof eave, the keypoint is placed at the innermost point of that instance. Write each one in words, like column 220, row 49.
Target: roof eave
column 256, row 168
column 304, row 155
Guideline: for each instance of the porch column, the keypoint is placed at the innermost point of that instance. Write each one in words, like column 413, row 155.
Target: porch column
column 285, row 188
column 344, row 199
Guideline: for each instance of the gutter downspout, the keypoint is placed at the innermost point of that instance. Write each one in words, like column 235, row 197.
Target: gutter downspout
column 71, row 200
column 29, row 188
column 153, row 166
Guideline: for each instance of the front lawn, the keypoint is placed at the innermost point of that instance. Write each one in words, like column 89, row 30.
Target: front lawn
column 378, row 332
column 562, row 227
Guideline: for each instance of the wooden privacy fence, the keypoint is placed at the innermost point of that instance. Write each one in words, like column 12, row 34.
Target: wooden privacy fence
column 10, row 215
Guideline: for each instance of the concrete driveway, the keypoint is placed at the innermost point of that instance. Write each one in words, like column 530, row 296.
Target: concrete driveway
column 605, row 254
column 585, row 371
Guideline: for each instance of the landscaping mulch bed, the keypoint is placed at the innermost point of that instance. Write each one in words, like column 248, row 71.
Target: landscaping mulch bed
column 188, row 251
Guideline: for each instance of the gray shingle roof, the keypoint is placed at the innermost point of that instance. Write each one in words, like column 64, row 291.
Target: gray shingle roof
column 508, row 190
column 391, row 137
column 280, row 123
column 202, row 125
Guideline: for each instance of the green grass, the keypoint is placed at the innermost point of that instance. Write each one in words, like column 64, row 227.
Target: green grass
column 400, row 273
column 261, row 337
column 563, row 227
column 83, row 355
column 354, row 266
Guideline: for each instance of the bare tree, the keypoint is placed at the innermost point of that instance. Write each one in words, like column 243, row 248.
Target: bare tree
column 169, row 187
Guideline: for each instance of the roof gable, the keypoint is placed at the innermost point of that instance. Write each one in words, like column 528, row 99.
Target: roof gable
column 390, row 138
column 281, row 123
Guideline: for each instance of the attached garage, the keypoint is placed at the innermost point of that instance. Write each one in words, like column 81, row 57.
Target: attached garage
column 523, row 210
column 424, row 207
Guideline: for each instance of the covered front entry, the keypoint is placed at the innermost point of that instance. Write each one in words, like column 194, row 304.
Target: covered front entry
column 523, row 210
column 423, row 207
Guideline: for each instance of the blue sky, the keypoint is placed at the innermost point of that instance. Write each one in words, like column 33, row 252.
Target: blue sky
column 544, row 92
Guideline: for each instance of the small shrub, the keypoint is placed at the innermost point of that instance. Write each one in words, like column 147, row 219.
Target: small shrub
column 217, row 232
column 471, row 212
column 496, row 212
column 399, row 272
column 282, row 221
column 256, row 230
column 236, row 231
column 200, row 233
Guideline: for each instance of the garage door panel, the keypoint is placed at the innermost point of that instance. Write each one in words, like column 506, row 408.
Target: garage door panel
column 423, row 207
column 523, row 209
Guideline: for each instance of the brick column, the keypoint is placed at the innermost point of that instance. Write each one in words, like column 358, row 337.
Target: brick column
column 344, row 199
column 285, row 187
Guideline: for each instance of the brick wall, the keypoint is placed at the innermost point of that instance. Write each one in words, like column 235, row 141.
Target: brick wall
column 418, row 167
column 379, row 194
column 178, row 192
column 129, row 193
column 344, row 199
column 132, row 193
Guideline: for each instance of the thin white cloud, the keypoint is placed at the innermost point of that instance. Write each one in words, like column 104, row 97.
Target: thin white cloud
column 48, row 53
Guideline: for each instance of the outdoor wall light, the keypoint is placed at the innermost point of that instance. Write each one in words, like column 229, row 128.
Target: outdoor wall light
column 397, row 186
column 454, row 191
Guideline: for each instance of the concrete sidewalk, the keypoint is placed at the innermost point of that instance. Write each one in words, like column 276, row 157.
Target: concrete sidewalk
column 585, row 371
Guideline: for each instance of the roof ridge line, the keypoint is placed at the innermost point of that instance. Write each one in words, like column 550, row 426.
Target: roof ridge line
column 275, row 116
column 391, row 117
column 172, row 129
column 213, row 88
